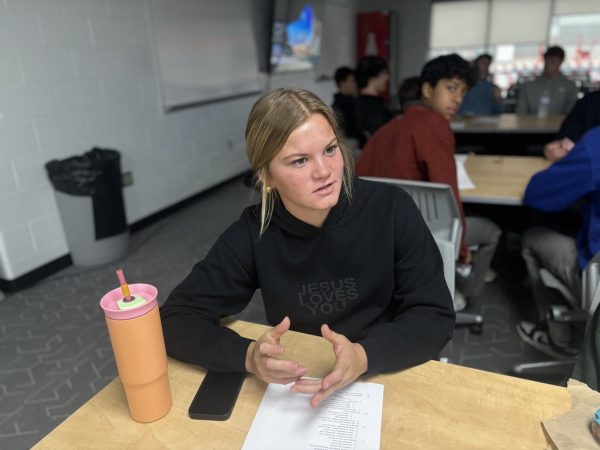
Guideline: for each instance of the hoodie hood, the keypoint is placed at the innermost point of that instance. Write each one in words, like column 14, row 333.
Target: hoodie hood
column 339, row 214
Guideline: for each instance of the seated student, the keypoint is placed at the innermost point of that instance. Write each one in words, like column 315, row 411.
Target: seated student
column 408, row 93
column 344, row 101
column 484, row 97
column 574, row 177
column 561, row 91
column 335, row 256
column 584, row 116
column 372, row 75
column 420, row 146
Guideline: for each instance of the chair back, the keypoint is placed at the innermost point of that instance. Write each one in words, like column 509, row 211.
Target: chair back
column 438, row 206
column 590, row 283
column 587, row 365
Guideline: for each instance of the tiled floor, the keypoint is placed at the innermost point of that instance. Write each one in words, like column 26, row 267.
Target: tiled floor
column 54, row 348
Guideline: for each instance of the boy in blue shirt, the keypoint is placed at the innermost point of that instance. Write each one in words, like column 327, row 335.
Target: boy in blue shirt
column 483, row 98
column 576, row 176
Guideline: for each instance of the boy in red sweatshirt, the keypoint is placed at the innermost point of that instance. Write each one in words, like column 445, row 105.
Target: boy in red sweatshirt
column 420, row 146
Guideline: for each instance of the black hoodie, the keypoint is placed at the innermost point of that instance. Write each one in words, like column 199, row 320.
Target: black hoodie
column 373, row 273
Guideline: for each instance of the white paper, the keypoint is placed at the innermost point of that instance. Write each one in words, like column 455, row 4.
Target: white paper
column 464, row 181
column 349, row 419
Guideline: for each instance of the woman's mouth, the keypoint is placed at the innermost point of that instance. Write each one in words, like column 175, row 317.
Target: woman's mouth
column 324, row 189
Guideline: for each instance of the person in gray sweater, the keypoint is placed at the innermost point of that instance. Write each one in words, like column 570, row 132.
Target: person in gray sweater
column 559, row 92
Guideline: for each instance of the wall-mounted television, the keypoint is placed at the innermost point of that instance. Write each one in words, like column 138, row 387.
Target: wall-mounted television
column 296, row 35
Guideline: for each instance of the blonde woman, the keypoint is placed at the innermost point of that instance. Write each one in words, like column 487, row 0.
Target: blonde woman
column 347, row 259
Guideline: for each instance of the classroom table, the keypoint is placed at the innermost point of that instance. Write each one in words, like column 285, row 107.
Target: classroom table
column 507, row 124
column 431, row 406
column 509, row 134
column 500, row 179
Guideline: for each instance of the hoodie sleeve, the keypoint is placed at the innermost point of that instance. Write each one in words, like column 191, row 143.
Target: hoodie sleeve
column 565, row 181
column 220, row 285
column 423, row 314
column 573, row 126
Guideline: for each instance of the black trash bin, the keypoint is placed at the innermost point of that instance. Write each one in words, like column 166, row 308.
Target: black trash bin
column 89, row 196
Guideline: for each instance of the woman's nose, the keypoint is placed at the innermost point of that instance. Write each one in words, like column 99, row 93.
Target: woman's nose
column 321, row 169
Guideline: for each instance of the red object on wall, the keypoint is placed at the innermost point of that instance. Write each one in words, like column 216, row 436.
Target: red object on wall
column 373, row 32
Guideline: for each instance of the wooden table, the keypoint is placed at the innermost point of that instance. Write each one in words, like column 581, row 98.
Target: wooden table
column 505, row 134
column 431, row 406
column 507, row 123
column 500, row 180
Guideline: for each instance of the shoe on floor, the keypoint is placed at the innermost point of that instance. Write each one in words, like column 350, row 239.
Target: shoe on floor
column 490, row 276
column 460, row 302
column 537, row 336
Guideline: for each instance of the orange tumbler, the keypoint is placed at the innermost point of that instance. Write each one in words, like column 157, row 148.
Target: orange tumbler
column 139, row 347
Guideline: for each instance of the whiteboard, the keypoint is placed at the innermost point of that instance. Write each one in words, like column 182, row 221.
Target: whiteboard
column 206, row 50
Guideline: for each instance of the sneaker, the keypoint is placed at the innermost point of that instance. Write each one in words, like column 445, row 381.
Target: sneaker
column 490, row 276
column 460, row 302
column 537, row 336
column 463, row 271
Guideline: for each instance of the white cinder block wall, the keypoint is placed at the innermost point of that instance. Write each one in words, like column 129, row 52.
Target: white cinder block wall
column 80, row 73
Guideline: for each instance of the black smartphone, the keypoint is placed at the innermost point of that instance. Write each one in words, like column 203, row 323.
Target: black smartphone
column 216, row 396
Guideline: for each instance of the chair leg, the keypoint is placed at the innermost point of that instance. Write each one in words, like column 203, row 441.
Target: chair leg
column 473, row 321
column 544, row 367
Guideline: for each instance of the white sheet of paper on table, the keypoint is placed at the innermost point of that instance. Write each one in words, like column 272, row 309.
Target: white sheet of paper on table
column 464, row 181
column 349, row 418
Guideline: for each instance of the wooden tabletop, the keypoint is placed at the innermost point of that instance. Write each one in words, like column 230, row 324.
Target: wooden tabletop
column 507, row 123
column 500, row 180
column 430, row 406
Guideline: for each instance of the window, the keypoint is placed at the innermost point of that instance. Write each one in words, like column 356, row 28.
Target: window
column 517, row 32
column 579, row 35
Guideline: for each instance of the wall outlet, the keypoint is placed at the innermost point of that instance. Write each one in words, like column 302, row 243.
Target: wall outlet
column 126, row 179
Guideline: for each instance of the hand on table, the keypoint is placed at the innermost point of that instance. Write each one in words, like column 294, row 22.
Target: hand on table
column 350, row 363
column 262, row 361
column 557, row 150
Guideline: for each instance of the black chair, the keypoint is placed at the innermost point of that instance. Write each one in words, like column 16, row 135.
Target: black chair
column 590, row 297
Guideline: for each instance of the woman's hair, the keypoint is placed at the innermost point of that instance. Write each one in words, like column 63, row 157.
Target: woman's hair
column 272, row 119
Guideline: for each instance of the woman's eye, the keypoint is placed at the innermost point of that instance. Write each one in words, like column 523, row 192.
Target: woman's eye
column 331, row 150
column 299, row 162
column 452, row 88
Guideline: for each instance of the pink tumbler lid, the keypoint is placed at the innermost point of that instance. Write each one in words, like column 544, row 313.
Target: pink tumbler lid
column 110, row 299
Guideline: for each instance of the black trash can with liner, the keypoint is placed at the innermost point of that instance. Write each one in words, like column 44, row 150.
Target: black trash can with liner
column 89, row 195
